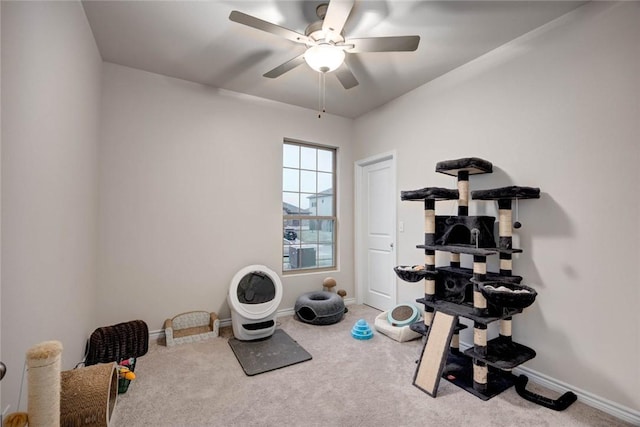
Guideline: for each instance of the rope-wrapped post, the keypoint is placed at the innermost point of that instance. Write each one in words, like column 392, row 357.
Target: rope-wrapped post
column 505, row 233
column 463, row 193
column 505, row 230
column 43, row 364
column 479, row 276
column 480, row 369
column 454, row 260
column 429, row 257
column 463, row 210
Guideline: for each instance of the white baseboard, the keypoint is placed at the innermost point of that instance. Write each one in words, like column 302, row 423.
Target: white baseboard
column 227, row 322
column 626, row 414
column 612, row 408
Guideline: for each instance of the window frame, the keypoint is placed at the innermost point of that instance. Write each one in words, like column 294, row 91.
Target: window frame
column 293, row 217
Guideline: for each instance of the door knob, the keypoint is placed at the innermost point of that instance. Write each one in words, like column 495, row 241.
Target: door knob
column 3, row 370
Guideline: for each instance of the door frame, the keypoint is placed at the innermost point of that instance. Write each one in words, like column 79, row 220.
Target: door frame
column 360, row 234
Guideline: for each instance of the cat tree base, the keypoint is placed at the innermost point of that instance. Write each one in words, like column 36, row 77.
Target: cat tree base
column 459, row 371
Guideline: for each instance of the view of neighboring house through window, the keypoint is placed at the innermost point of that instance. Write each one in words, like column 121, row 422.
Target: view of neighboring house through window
column 308, row 207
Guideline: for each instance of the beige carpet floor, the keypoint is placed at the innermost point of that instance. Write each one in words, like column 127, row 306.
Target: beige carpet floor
column 347, row 383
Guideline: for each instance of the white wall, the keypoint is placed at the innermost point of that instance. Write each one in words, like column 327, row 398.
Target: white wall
column 190, row 192
column 1, row 408
column 557, row 108
column 50, row 99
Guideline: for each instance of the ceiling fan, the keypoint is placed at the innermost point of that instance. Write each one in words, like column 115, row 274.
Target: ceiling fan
column 325, row 43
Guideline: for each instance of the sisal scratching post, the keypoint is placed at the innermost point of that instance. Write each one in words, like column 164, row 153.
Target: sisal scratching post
column 480, row 368
column 43, row 364
column 463, row 193
column 89, row 395
column 429, row 257
column 463, row 210
column 505, row 233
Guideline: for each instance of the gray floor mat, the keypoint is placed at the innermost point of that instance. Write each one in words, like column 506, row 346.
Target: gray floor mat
column 277, row 351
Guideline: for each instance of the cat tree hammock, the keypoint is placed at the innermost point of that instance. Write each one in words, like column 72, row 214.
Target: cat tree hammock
column 474, row 293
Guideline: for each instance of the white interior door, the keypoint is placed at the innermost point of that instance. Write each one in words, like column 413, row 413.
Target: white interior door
column 376, row 218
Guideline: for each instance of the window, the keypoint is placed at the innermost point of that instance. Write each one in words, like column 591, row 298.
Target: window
column 308, row 207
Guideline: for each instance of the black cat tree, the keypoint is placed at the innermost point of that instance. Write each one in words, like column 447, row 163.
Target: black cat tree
column 474, row 293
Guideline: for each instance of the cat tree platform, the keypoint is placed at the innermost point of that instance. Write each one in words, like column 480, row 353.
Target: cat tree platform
column 470, row 165
column 430, row 193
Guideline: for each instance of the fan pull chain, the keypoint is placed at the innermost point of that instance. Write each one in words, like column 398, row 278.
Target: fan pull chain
column 322, row 88
column 319, row 95
column 324, row 91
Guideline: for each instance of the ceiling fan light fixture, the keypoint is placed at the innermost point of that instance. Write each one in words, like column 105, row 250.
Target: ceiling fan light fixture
column 324, row 57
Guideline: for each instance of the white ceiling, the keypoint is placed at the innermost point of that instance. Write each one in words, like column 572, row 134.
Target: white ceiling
column 195, row 40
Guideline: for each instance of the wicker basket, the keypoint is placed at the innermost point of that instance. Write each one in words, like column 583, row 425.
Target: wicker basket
column 508, row 299
column 118, row 342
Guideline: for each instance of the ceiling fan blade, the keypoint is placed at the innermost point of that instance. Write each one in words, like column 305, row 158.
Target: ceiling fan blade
column 346, row 77
column 252, row 21
column 337, row 14
column 287, row 66
column 385, row 44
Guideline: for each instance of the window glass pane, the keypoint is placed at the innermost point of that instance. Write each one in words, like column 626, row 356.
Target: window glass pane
column 303, row 256
column 325, row 182
column 324, row 205
column 308, row 181
column 309, row 204
column 325, row 160
column 285, row 250
column 290, row 203
column 291, row 156
column 325, row 230
column 308, row 158
column 309, row 233
column 291, row 179
column 325, row 255
column 291, row 231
